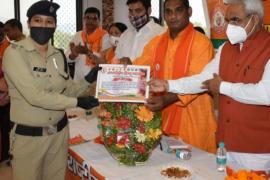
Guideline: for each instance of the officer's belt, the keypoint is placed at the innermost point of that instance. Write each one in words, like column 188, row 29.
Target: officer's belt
column 40, row 131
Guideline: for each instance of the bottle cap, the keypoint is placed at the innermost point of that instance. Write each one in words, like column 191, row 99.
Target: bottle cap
column 221, row 145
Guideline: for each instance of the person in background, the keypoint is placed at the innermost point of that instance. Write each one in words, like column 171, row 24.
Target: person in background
column 179, row 52
column 40, row 90
column 13, row 29
column 115, row 31
column 92, row 39
column 240, row 74
column 4, row 102
column 199, row 29
column 133, row 40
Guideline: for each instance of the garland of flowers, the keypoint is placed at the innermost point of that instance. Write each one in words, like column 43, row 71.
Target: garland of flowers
column 130, row 131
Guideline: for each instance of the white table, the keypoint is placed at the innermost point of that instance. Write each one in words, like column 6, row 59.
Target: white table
column 91, row 160
column 99, row 159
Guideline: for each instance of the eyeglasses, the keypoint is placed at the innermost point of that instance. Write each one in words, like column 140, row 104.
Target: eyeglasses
column 93, row 18
column 237, row 20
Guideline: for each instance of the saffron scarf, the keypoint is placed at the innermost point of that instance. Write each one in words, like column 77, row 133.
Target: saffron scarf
column 110, row 55
column 171, row 116
column 3, row 47
column 93, row 42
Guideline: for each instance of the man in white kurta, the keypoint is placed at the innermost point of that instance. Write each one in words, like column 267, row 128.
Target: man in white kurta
column 143, row 29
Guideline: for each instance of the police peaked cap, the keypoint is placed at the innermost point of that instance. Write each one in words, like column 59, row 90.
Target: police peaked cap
column 43, row 7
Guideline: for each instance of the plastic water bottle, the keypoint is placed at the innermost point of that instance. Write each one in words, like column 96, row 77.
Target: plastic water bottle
column 221, row 157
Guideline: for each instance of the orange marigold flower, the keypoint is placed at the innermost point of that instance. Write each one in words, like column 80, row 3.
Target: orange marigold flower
column 102, row 113
column 106, row 123
column 144, row 114
column 108, row 115
column 243, row 174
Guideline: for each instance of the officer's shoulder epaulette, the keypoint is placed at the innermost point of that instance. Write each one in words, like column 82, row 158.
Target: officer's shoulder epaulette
column 14, row 45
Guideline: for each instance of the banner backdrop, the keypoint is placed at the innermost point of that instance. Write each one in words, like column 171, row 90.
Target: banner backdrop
column 217, row 10
column 266, row 21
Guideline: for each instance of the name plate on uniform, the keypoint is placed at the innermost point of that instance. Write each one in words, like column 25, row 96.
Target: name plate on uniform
column 119, row 83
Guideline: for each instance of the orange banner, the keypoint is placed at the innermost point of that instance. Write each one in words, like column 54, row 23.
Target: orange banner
column 266, row 4
column 217, row 10
column 266, row 20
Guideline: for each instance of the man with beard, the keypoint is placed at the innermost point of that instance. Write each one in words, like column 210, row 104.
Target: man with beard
column 181, row 51
column 133, row 40
column 92, row 39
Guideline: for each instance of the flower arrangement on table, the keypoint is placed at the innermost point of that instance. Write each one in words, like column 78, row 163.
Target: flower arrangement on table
column 130, row 131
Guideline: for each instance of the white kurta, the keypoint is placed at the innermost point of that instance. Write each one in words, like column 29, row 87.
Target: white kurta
column 132, row 42
column 81, row 69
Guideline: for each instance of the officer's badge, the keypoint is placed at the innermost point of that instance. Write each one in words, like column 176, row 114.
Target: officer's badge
column 39, row 69
column 51, row 9
column 13, row 45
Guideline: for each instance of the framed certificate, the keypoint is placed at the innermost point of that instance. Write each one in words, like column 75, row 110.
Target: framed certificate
column 119, row 83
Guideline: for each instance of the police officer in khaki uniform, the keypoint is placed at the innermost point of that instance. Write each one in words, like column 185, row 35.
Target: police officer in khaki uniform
column 40, row 90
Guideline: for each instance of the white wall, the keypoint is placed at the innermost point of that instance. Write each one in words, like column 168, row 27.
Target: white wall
column 121, row 12
column 120, row 9
column 93, row 3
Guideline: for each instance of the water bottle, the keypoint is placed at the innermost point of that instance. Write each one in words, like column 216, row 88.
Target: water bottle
column 221, row 157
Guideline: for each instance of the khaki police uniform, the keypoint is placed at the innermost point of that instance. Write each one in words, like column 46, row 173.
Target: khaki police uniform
column 40, row 90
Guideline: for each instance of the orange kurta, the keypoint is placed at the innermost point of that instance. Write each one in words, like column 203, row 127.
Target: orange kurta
column 197, row 124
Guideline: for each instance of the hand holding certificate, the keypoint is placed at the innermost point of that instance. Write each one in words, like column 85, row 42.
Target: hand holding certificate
column 119, row 83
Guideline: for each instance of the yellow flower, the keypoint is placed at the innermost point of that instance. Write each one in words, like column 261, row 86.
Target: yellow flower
column 144, row 114
column 140, row 136
column 120, row 146
column 102, row 113
column 154, row 133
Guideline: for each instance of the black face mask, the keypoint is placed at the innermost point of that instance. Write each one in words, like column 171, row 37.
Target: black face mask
column 41, row 34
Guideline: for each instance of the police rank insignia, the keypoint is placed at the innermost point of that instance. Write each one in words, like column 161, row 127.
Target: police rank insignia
column 51, row 9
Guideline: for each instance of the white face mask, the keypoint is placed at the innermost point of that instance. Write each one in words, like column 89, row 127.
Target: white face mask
column 114, row 40
column 237, row 34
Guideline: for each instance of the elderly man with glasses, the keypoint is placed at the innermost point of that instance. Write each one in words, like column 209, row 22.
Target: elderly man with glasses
column 240, row 74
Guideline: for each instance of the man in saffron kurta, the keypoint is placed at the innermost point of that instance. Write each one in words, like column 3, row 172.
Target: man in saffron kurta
column 180, row 52
column 92, row 39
